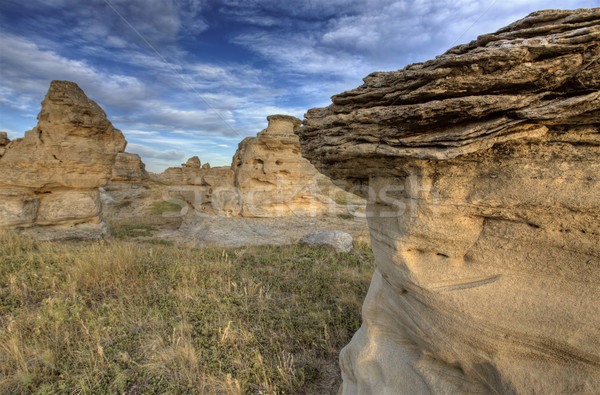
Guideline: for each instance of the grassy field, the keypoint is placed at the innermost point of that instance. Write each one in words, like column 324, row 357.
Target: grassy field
column 140, row 318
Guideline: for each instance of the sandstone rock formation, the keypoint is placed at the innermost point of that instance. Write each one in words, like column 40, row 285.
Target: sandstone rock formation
column 268, row 177
column 193, row 162
column 271, row 176
column 128, row 168
column 126, row 186
column 212, row 193
column 194, row 173
column 3, row 142
column 482, row 169
column 49, row 179
column 207, row 190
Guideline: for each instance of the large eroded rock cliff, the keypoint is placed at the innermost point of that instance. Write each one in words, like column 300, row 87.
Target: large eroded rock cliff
column 49, row 179
column 482, row 169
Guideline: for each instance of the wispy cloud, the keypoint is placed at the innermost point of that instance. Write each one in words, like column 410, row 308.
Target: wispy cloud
column 229, row 63
column 150, row 152
column 27, row 70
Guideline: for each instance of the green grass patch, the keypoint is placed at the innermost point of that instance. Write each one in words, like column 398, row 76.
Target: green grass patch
column 166, row 206
column 126, row 231
column 345, row 216
column 126, row 317
column 159, row 242
column 125, row 203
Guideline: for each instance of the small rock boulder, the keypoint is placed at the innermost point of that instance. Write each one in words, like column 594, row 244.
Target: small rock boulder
column 338, row 240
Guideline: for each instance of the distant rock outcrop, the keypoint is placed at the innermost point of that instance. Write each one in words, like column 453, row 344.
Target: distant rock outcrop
column 128, row 168
column 482, row 169
column 268, row 177
column 193, row 162
column 194, row 173
column 49, row 179
column 207, row 190
column 271, row 175
column 3, row 143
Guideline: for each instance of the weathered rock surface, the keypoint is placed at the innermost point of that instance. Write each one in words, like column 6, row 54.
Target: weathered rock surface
column 128, row 168
column 212, row 192
column 482, row 169
column 193, row 162
column 271, row 176
column 335, row 239
column 3, row 142
column 49, row 179
column 268, row 178
column 194, row 173
column 127, row 187
column 205, row 189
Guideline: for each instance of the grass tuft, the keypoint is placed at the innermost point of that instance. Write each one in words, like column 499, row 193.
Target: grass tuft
column 345, row 216
column 125, row 203
column 125, row 231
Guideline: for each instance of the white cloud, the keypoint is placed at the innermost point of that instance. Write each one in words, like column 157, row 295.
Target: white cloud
column 148, row 152
column 131, row 132
column 12, row 134
column 28, row 69
column 302, row 53
column 377, row 35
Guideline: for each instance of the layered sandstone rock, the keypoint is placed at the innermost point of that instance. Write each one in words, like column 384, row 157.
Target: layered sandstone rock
column 193, row 162
column 211, row 193
column 128, row 168
column 49, row 179
column 190, row 173
column 271, row 176
column 126, row 185
column 482, row 169
column 268, row 178
column 3, row 142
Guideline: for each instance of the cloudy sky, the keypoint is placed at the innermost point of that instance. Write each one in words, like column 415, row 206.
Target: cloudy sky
column 194, row 77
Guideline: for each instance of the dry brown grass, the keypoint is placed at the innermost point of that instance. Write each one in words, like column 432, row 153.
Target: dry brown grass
column 125, row 317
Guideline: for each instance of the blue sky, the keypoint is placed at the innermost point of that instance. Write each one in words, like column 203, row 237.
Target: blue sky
column 194, row 77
